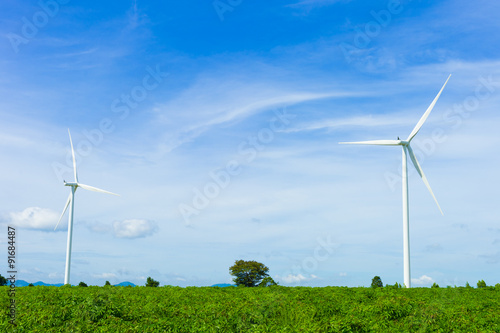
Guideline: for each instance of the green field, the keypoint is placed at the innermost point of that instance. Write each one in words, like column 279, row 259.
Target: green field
column 272, row 309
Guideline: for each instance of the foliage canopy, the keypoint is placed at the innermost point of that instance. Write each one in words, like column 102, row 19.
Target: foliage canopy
column 248, row 273
column 377, row 282
column 481, row 284
column 150, row 282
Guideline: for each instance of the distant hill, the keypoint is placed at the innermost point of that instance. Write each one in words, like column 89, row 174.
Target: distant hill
column 223, row 285
column 19, row 283
column 22, row 283
column 40, row 283
column 125, row 284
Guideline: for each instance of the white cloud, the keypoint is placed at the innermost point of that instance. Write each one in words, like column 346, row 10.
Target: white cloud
column 105, row 276
column 134, row 228
column 35, row 218
column 423, row 280
column 291, row 278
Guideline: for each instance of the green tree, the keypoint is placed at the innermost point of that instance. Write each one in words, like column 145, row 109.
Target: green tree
column 481, row 284
column 82, row 284
column 248, row 273
column 151, row 283
column 31, row 285
column 467, row 285
column 435, row 285
column 377, row 282
column 3, row 281
column 107, row 283
column 267, row 282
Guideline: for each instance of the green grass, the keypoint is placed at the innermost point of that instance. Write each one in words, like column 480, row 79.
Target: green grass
column 273, row 309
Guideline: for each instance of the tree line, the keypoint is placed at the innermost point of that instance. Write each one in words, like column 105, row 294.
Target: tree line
column 255, row 274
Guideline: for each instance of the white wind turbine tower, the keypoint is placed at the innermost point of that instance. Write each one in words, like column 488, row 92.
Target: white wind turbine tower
column 71, row 199
column 408, row 151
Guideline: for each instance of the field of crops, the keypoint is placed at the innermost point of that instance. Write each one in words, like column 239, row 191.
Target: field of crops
column 272, row 309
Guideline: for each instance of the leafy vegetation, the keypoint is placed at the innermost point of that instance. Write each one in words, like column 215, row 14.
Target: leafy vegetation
column 377, row 282
column 267, row 282
column 273, row 309
column 150, row 282
column 249, row 273
column 481, row 284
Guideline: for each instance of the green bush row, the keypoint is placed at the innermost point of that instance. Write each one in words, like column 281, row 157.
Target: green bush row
column 272, row 309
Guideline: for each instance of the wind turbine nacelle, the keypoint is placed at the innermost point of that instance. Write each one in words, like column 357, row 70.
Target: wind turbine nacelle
column 70, row 184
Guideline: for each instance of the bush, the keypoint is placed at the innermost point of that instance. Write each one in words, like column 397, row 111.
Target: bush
column 395, row 286
column 435, row 285
column 82, row 284
column 481, row 284
column 152, row 283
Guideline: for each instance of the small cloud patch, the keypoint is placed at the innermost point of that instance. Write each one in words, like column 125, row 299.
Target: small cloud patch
column 432, row 248
column 105, row 276
column 294, row 278
column 35, row 218
column 134, row 228
column 423, row 280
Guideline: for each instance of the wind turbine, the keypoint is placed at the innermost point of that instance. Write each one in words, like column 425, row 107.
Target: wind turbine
column 71, row 200
column 408, row 151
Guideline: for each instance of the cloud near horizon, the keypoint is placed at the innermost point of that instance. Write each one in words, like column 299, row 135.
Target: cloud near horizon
column 423, row 280
column 134, row 228
column 35, row 218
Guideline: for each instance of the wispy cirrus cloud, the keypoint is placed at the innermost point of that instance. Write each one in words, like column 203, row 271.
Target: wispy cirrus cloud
column 358, row 121
column 212, row 102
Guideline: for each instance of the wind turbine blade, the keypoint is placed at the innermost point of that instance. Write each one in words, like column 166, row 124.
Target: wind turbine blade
column 374, row 142
column 73, row 154
column 95, row 189
column 64, row 211
column 421, row 173
column 426, row 114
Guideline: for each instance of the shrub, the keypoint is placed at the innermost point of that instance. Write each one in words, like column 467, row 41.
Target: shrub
column 151, row 283
column 481, row 284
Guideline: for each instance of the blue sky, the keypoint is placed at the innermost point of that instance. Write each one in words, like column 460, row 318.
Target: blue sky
column 218, row 123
